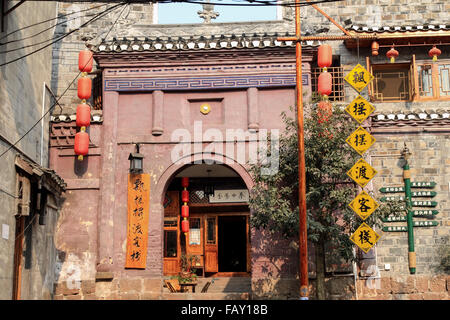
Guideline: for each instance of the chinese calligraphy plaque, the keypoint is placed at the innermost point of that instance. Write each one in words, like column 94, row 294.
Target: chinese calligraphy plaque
column 360, row 140
column 138, row 214
column 362, row 172
column 365, row 237
column 359, row 78
column 360, row 109
column 364, row 205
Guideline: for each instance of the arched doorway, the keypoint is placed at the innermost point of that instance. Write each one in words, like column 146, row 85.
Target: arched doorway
column 219, row 234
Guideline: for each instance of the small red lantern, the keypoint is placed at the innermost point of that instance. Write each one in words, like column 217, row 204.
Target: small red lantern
column 392, row 54
column 324, row 56
column 185, row 196
column 324, row 85
column 83, row 116
column 85, row 60
column 185, row 226
column 185, row 182
column 84, row 88
column 375, row 48
column 185, row 211
column 81, row 144
column 324, row 111
column 434, row 53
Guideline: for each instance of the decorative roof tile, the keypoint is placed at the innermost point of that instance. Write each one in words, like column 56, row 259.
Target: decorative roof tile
column 197, row 43
column 439, row 27
column 95, row 118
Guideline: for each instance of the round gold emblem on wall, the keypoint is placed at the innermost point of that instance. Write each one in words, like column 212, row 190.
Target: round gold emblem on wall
column 205, row 108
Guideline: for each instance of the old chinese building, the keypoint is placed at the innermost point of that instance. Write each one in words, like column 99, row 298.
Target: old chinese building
column 193, row 103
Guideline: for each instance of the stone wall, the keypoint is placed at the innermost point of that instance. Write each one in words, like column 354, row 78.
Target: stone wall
column 21, row 102
column 429, row 161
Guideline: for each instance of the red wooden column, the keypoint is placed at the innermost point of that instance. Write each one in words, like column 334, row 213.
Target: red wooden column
column 106, row 211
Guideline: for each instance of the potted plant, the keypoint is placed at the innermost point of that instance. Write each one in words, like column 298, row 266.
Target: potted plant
column 187, row 273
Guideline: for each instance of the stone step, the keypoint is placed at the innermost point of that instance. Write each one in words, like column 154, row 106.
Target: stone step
column 225, row 285
column 206, row 296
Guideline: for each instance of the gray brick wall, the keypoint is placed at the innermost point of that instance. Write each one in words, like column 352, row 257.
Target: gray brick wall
column 21, row 93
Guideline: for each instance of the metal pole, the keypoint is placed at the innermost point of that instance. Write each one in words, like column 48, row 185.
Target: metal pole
column 301, row 163
column 409, row 217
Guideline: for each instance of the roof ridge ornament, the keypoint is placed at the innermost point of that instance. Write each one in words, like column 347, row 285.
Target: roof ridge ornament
column 208, row 12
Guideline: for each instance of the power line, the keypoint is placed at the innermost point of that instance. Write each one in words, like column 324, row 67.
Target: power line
column 65, row 91
column 51, row 19
column 65, row 35
column 35, row 35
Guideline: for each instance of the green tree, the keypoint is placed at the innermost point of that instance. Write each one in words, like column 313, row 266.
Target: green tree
column 274, row 199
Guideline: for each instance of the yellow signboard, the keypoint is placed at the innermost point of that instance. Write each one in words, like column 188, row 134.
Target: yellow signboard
column 364, row 237
column 364, row 205
column 360, row 109
column 360, row 140
column 359, row 78
column 362, row 172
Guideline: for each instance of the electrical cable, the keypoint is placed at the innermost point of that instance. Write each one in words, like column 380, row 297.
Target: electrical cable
column 42, row 31
column 125, row 5
column 65, row 35
column 260, row 3
column 51, row 19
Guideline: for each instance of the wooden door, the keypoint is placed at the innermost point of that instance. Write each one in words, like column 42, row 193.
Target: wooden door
column 211, row 245
column 171, row 234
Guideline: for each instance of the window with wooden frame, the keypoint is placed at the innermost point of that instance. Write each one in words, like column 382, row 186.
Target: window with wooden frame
column 337, row 74
column 171, row 223
column 414, row 81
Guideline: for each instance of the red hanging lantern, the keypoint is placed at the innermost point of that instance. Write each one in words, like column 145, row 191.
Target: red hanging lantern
column 81, row 144
column 85, row 60
column 392, row 54
column 434, row 53
column 185, row 182
column 324, row 111
column 324, row 85
column 84, row 88
column 185, row 226
column 185, row 196
column 375, row 48
column 83, row 116
column 185, row 211
column 324, row 56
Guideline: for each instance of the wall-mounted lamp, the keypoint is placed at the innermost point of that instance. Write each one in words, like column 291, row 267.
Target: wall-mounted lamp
column 209, row 186
column 136, row 161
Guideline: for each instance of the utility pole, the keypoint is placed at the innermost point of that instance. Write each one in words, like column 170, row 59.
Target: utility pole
column 303, row 236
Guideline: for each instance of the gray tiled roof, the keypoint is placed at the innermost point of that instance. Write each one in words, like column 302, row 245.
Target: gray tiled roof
column 430, row 27
column 415, row 115
column 198, row 42
column 95, row 118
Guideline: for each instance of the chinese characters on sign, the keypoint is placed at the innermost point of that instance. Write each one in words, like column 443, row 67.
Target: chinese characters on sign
column 360, row 140
column 361, row 172
column 360, row 109
column 236, row 195
column 359, row 78
column 364, row 237
column 364, row 205
column 137, row 227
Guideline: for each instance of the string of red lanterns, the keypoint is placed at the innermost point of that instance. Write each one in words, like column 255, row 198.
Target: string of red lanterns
column 324, row 60
column 84, row 89
column 392, row 54
column 185, row 207
column 325, row 82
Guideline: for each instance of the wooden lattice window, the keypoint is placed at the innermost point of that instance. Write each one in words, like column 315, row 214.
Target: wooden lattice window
column 337, row 74
column 391, row 82
column 444, row 79
column 425, row 76
column 415, row 81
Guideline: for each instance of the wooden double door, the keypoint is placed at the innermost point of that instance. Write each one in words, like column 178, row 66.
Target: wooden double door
column 221, row 241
